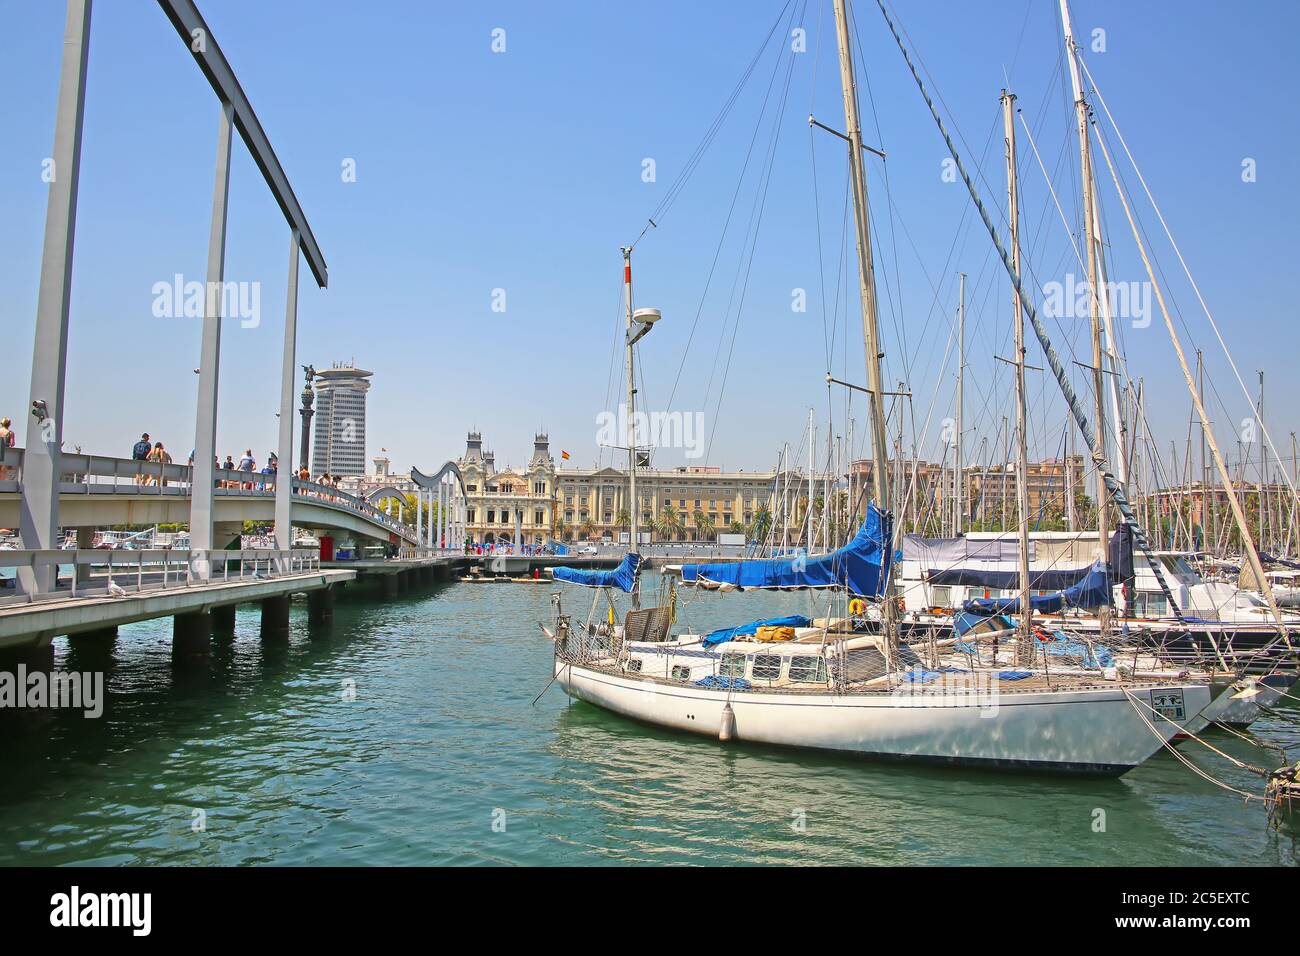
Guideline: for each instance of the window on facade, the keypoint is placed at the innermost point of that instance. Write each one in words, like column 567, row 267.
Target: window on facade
column 492, row 516
column 539, row 516
column 469, row 515
column 539, row 487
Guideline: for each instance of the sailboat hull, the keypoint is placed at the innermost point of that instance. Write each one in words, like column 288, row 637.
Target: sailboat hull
column 1095, row 731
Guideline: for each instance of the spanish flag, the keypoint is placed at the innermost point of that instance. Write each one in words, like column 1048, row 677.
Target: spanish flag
column 564, row 455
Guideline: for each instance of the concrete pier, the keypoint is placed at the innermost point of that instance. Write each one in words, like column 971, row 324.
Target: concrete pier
column 223, row 619
column 320, row 606
column 102, row 635
column 192, row 634
column 275, row 615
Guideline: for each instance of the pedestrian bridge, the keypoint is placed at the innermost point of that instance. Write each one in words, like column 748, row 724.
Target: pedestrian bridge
column 97, row 492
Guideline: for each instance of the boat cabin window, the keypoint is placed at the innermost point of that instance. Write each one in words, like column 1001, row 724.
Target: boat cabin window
column 808, row 668
column 681, row 672
column 634, row 663
column 1150, row 604
column 941, row 595
column 1177, row 565
column 733, row 665
column 767, row 667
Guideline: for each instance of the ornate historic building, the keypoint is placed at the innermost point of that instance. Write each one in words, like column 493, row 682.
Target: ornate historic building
column 541, row 503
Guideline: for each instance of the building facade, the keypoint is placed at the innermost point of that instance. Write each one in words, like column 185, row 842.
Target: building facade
column 339, row 445
column 541, row 502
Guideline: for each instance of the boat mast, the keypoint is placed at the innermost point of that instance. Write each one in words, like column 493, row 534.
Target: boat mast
column 634, row 505
column 958, row 499
column 1094, row 318
column 867, row 282
column 1025, row 643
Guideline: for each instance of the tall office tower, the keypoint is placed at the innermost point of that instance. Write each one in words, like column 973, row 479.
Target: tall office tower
column 340, row 440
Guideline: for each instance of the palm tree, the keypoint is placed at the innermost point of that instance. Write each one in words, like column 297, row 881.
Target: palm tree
column 588, row 530
column 559, row 529
column 669, row 524
column 761, row 523
column 623, row 520
column 703, row 525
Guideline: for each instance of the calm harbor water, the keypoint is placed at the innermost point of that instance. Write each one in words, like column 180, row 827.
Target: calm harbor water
column 403, row 734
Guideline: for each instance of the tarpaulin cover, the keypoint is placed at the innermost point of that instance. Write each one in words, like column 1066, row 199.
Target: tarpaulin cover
column 964, row 622
column 1119, row 558
column 622, row 577
column 722, row 635
column 1049, row 580
column 861, row 567
column 1090, row 593
column 1273, row 559
column 1063, row 645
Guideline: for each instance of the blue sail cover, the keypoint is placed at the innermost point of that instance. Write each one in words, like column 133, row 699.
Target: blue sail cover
column 622, row 577
column 862, row 566
column 1090, row 593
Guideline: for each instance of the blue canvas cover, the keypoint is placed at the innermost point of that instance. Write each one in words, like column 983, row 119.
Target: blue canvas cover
column 622, row 577
column 1090, row 593
column 861, row 566
column 724, row 634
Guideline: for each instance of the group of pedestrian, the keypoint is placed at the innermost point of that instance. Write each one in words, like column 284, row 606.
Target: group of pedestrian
column 248, row 466
column 153, row 452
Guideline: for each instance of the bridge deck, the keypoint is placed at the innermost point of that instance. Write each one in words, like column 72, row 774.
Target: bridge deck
column 26, row 624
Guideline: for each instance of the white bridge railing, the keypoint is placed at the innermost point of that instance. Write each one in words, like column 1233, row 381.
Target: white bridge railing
column 95, row 475
column 151, row 569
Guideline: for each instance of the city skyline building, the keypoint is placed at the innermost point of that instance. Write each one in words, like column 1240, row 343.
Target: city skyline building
column 339, row 444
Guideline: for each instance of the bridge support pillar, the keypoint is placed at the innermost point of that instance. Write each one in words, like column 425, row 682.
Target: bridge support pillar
column 275, row 615
column 100, row 635
column 192, row 634
column 85, row 541
column 223, row 619
column 389, row 585
column 34, row 657
column 320, row 605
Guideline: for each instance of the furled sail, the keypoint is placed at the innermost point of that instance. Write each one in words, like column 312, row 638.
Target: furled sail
column 622, row 577
column 861, row 567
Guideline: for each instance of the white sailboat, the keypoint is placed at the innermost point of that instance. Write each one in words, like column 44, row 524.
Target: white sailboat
column 829, row 687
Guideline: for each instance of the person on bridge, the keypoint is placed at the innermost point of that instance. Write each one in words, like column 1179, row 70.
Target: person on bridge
column 246, row 465
column 140, row 452
column 7, row 440
column 158, row 454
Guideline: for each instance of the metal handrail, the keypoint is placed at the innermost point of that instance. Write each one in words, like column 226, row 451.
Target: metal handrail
column 136, row 477
column 176, row 565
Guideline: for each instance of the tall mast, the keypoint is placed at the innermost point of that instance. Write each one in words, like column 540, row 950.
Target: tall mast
column 959, row 499
column 635, row 505
column 1094, row 319
column 867, row 290
column 808, row 512
column 1025, row 644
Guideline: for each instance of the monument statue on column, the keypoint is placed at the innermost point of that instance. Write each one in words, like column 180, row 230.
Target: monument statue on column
column 308, row 396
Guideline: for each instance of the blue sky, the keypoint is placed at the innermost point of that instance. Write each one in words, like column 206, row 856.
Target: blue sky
column 523, row 171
